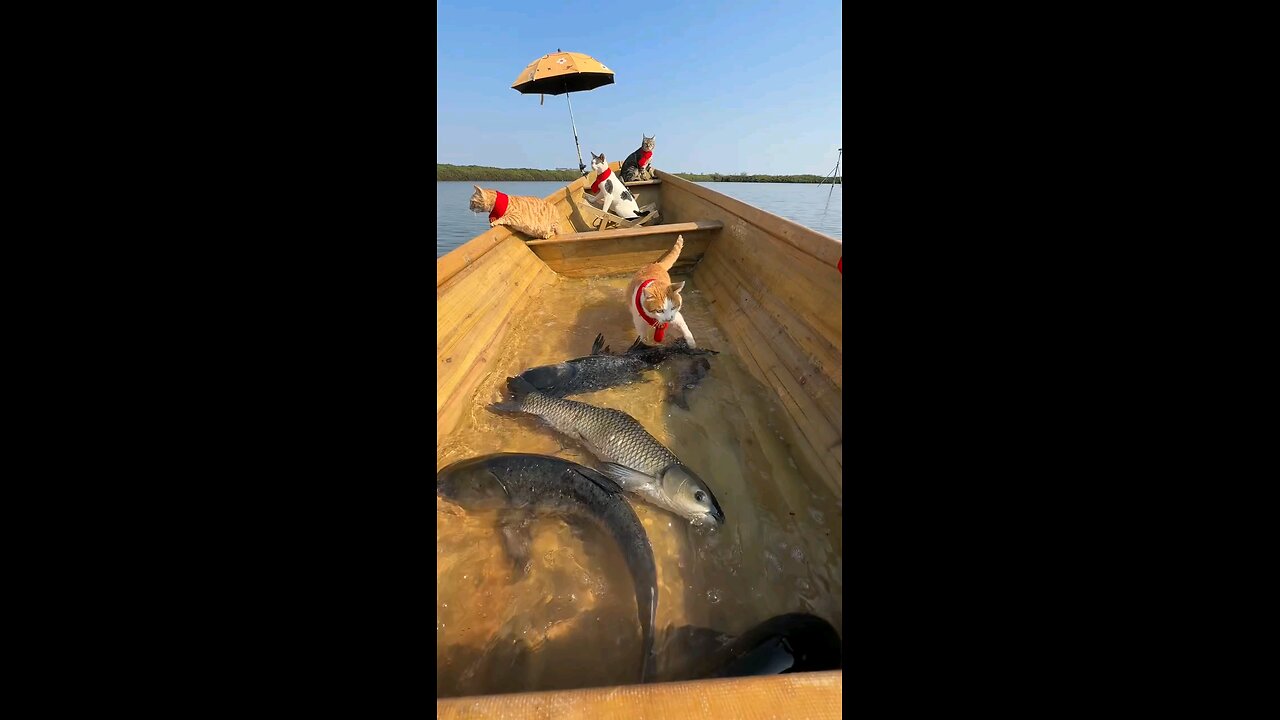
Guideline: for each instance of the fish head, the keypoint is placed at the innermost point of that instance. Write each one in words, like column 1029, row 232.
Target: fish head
column 472, row 484
column 690, row 496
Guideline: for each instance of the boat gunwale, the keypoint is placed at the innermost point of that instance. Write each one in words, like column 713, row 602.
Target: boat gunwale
column 824, row 248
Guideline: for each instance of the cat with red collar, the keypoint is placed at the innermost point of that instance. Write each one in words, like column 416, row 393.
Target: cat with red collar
column 609, row 192
column 637, row 166
column 654, row 301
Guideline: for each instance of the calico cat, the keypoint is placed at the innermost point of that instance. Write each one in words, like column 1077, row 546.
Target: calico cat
column 609, row 191
column 636, row 166
column 530, row 215
column 654, row 301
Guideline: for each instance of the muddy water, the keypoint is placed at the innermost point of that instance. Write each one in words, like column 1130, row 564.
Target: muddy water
column 569, row 621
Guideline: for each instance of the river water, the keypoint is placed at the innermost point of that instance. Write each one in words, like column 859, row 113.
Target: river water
column 819, row 208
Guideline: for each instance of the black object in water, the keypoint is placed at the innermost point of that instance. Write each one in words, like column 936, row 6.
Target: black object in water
column 795, row 642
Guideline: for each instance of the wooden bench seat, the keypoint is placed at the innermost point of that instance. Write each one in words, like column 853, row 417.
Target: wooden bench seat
column 635, row 232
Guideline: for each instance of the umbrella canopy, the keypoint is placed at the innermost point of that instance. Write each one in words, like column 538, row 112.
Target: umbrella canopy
column 562, row 72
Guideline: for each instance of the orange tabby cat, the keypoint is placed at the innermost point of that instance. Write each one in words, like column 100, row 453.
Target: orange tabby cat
column 655, row 301
column 530, row 215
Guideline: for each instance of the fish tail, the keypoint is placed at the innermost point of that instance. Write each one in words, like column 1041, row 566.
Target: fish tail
column 512, row 406
column 519, row 388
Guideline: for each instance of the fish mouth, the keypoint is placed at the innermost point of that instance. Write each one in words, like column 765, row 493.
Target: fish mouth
column 712, row 518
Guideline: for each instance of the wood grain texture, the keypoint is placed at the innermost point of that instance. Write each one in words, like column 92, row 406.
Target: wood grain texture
column 807, row 696
column 817, row 440
column 475, row 309
column 621, row 256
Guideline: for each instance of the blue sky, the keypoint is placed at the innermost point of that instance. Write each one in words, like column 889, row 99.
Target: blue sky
column 725, row 87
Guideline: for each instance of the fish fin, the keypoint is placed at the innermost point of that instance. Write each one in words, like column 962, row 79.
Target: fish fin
column 604, row 481
column 506, row 406
column 517, row 541
column 519, row 387
column 637, row 345
column 625, row 476
column 597, row 345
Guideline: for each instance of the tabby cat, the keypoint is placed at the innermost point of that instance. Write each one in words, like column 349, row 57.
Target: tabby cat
column 530, row 215
column 636, row 166
column 654, row 301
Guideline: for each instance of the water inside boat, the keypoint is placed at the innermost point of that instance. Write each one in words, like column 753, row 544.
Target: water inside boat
column 570, row 620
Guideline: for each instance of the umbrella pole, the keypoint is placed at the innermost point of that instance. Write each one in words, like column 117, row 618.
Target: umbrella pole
column 581, row 168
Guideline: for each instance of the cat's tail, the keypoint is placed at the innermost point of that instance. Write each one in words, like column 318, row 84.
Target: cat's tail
column 670, row 258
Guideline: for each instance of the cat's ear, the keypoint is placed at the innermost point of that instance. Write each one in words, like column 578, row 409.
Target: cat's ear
column 477, row 187
column 677, row 286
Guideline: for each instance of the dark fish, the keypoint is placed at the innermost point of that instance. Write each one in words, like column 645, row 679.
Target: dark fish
column 596, row 371
column 688, row 371
column 654, row 354
column 630, row 455
column 795, row 642
column 523, row 483
column 687, row 364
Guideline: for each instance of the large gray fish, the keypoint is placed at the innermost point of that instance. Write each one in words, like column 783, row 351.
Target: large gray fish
column 522, row 483
column 629, row 454
column 602, row 369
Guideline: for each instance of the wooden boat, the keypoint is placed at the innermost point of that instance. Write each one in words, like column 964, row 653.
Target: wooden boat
column 774, row 288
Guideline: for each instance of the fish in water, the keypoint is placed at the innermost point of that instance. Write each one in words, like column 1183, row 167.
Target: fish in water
column 795, row 642
column 602, row 369
column 521, row 483
column 688, row 367
column 629, row 454
column 688, row 371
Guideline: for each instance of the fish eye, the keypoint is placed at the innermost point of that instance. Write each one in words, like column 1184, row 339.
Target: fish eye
column 700, row 496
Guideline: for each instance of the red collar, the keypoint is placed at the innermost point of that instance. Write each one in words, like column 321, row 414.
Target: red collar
column 500, row 208
column 659, row 329
column 595, row 186
column 644, row 158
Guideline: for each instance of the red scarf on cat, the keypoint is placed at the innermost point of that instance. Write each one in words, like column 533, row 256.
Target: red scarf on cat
column 499, row 207
column 659, row 329
column 644, row 159
column 595, row 186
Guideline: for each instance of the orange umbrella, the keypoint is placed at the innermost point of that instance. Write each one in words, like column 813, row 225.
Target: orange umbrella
column 563, row 73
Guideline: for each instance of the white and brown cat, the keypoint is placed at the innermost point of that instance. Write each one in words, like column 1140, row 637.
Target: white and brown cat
column 654, row 301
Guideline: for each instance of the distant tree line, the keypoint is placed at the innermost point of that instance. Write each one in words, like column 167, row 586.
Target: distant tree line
column 743, row 177
column 481, row 172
